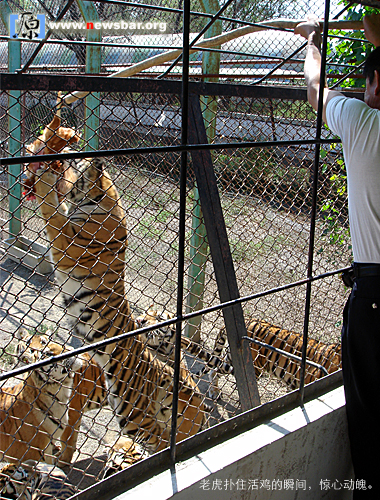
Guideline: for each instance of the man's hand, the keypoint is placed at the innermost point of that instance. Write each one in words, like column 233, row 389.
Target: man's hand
column 371, row 24
column 309, row 27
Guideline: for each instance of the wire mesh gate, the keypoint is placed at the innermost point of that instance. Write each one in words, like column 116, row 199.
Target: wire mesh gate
column 262, row 186
column 156, row 186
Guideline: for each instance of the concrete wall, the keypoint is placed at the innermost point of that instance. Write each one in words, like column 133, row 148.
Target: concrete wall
column 302, row 454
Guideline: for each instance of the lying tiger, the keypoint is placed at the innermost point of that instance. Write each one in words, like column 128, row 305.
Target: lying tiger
column 124, row 453
column 33, row 414
column 281, row 366
column 88, row 248
column 89, row 390
column 33, row 480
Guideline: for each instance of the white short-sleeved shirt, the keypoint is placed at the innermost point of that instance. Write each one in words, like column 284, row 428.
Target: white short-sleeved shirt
column 358, row 126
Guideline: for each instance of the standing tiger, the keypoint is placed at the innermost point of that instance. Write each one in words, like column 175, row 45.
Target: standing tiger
column 88, row 248
column 33, row 413
column 89, row 390
column 281, row 366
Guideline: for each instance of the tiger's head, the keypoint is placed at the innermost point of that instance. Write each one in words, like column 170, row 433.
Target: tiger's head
column 156, row 337
column 34, row 348
column 87, row 184
column 93, row 183
column 16, row 483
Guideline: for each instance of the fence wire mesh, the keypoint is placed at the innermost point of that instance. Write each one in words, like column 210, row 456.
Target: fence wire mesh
column 152, row 29
column 266, row 197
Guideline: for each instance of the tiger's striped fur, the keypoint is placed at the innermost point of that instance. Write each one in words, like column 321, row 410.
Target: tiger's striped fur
column 282, row 367
column 34, row 481
column 15, row 483
column 89, row 389
column 33, row 414
column 54, row 139
column 163, row 339
column 88, row 247
column 124, row 453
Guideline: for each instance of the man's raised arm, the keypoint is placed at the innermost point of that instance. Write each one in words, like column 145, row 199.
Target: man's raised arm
column 312, row 32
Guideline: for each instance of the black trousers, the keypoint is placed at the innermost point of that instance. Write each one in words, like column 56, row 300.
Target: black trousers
column 361, row 375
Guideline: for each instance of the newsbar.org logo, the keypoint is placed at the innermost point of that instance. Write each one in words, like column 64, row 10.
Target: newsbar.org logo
column 27, row 25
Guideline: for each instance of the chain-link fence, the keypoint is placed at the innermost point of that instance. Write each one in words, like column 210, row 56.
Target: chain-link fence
column 243, row 222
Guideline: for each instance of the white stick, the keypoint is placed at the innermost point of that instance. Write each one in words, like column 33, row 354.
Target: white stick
column 212, row 42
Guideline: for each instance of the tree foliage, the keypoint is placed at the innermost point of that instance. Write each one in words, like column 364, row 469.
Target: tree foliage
column 350, row 49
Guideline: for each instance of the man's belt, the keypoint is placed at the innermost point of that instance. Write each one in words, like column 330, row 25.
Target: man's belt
column 359, row 271
column 366, row 270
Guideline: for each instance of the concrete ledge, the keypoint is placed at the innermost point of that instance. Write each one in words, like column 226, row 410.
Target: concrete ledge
column 301, row 454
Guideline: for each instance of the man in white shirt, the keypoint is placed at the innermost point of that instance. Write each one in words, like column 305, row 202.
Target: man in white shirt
column 358, row 125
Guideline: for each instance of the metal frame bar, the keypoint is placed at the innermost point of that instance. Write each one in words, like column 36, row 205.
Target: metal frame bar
column 14, row 127
column 182, row 223
column 198, row 243
column 166, row 149
column 71, row 83
column 313, row 214
column 222, row 261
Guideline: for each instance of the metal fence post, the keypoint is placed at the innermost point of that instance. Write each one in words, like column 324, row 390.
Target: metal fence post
column 313, row 214
column 93, row 63
column 14, row 128
column 198, row 244
column 222, row 260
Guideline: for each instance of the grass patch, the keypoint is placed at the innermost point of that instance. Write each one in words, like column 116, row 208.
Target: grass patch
column 243, row 251
column 8, row 356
